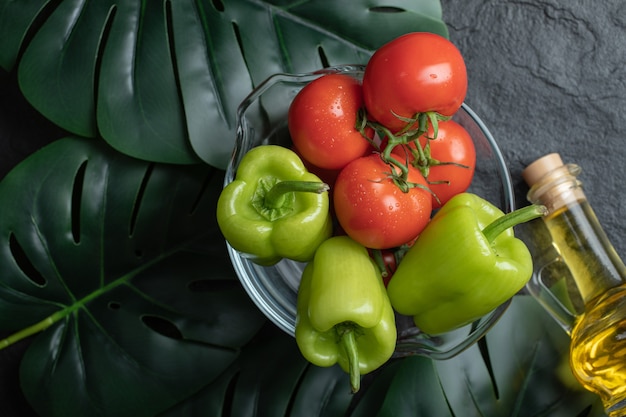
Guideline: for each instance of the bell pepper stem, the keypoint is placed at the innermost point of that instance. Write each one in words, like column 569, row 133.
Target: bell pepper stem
column 276, row 195
column 348, row 341
column 519, row 216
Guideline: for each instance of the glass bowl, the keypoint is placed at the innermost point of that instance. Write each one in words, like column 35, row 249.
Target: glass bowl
column 262, row 119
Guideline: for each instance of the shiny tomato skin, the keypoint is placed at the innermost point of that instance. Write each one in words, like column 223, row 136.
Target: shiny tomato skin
column 455, row 150
column 322, row 119
column 415, row 73
column 373, row 210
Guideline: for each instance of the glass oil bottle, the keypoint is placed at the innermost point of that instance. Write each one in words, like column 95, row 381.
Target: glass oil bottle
column 598, row 334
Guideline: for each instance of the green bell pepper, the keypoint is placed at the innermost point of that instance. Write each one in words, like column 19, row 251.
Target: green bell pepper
column 465, row 263
column 274, row 208
column 343, row 312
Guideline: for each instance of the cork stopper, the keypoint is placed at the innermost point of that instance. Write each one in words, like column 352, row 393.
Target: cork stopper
column 542, row 166
column 553, row 183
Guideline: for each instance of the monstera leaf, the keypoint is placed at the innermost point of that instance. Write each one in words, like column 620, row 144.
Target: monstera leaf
column 161, row 80
column 518, row 369
column 120, row 265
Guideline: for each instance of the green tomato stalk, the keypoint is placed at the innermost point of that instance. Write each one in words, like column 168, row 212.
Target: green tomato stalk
column 415, row 127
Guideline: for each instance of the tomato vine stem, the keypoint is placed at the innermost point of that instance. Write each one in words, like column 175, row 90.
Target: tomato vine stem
column 415, row 127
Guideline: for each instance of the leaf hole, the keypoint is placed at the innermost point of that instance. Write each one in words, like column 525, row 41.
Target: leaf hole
column 211, row 285
column 484, row 352
column 106, row 31
column 585, row 412
column 172, row 48
column 242, row 54
column 44, row 13
column 139, row 198
column 203, row 189
column 297, row 387
column 114, row 305
column 323, row 57
column 163, row 326
column 387, row 9
column 24, row 263
column 77, row 196
column 218, row 5
column 240, row 44
column 229, row 395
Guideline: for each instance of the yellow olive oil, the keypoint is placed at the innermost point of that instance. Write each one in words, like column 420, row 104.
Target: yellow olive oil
column 598, row 347
column 598, row 350
column 598, row 336
column 585, row 249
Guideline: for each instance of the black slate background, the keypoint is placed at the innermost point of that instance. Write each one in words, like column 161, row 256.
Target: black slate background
column 544, row 75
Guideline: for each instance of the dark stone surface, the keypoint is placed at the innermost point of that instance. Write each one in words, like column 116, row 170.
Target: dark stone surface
column 545, row 76
column 549, row 76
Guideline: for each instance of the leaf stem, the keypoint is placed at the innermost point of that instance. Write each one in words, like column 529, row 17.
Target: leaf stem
column 33, row 329
column 64, row 312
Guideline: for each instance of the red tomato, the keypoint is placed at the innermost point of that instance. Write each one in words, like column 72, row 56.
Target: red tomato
column 453, row 161
column 373, row 210
column 322, row 119
column 415, row 73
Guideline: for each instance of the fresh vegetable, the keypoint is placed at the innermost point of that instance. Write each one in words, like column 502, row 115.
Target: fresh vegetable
column 322, row 121
column 343, row 312
column 274, row 208
column 417, row 75
column 447, row 161
column 378, row 209
column 465, row 263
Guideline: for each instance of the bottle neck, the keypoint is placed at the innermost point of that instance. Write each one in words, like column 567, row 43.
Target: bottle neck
column 558, row 188
column 576, row 232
